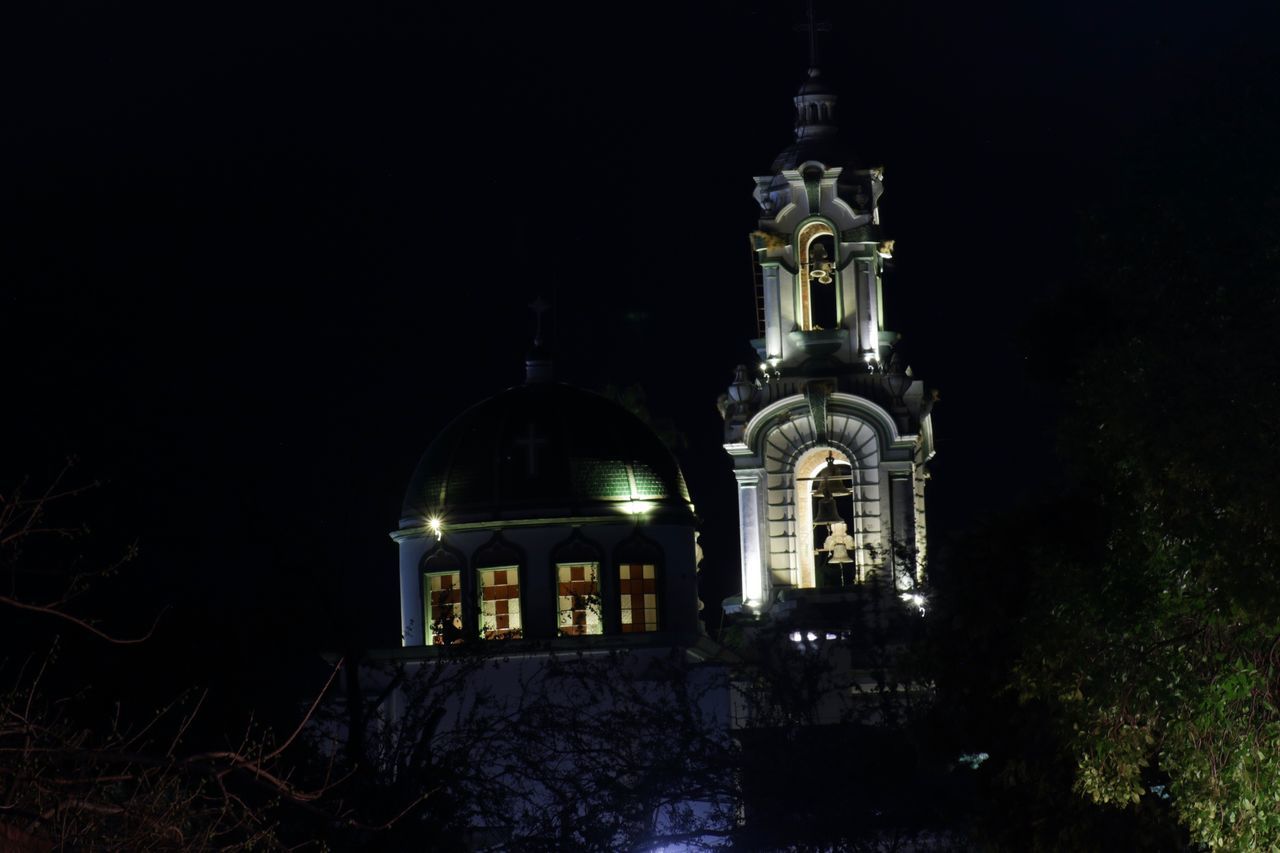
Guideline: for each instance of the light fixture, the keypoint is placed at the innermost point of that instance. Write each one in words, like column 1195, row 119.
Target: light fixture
column 916, row 599
column 436, row 524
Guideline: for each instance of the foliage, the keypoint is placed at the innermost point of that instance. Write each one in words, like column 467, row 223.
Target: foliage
column 85, row 762
column 588, row 750
column 988, row 599
column 1160, row 650
column 830, row 703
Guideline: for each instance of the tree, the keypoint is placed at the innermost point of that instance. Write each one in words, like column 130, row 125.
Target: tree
column 598, row 749
column 83, row 763
column 1159, row 651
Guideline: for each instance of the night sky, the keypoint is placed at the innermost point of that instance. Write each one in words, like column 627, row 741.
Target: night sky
column 257, row 255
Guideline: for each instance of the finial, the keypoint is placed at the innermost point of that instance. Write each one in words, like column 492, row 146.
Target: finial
column 539, row 307
column 538, row 363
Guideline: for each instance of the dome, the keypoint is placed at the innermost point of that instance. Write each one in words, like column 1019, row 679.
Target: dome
column 814, row 84
column 816, row 137
column 544, row 450
column 825, row 150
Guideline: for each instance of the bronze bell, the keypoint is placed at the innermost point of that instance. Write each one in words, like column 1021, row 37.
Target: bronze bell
column 827, row 513
column 834, row 487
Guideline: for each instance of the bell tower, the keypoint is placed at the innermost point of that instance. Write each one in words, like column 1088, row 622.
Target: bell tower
column 829, row 432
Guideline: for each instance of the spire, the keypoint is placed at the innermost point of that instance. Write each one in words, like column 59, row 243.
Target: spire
column 537, row 364
column 815, row 102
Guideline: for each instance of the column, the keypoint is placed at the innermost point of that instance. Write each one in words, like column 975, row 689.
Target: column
column 754, row 581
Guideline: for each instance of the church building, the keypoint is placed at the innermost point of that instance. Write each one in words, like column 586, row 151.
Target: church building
column 547, row 523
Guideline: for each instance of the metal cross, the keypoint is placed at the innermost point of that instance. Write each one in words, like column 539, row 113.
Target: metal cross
column 813, row 26
column 531, row 444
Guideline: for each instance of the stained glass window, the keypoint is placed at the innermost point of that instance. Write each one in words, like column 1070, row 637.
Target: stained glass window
column 444, row 608
column 579, row 599
column 638, row 586
column 500, row 603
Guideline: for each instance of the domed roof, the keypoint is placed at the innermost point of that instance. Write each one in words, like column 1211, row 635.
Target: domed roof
column 827, row 150
column 816, row 136
column 814, row 84
column 544, row 450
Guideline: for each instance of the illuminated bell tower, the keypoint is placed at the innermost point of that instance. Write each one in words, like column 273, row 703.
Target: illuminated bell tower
column 829, row 433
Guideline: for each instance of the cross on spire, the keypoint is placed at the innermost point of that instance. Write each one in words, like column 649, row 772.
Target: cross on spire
column 813, row 26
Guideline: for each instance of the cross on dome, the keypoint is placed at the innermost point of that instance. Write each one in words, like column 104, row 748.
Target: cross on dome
column 532, row 443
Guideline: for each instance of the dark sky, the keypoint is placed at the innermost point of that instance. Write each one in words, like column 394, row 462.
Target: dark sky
column 257, row 255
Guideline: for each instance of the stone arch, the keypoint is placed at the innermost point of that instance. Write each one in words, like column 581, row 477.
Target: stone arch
column 790, row 448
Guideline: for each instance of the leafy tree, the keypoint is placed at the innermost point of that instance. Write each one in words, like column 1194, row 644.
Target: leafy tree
column 1157, row 650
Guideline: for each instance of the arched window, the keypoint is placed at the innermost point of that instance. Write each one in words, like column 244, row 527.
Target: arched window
column 638, row 586
column 579, row 606
column 498, row 587
column 817, row 278
column 639, row 562
column 443, row 615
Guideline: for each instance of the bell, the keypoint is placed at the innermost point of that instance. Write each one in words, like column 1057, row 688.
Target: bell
column 840, row 554
column 827, row 513
column 836, row 487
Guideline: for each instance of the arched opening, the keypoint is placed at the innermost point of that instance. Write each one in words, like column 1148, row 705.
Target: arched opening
column 639, row 562
column 818, row 279
column 821, row 548
column 443, row 615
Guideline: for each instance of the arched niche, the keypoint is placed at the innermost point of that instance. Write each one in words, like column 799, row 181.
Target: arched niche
column 580, row 586
column 500, row 570
column 817, row 279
